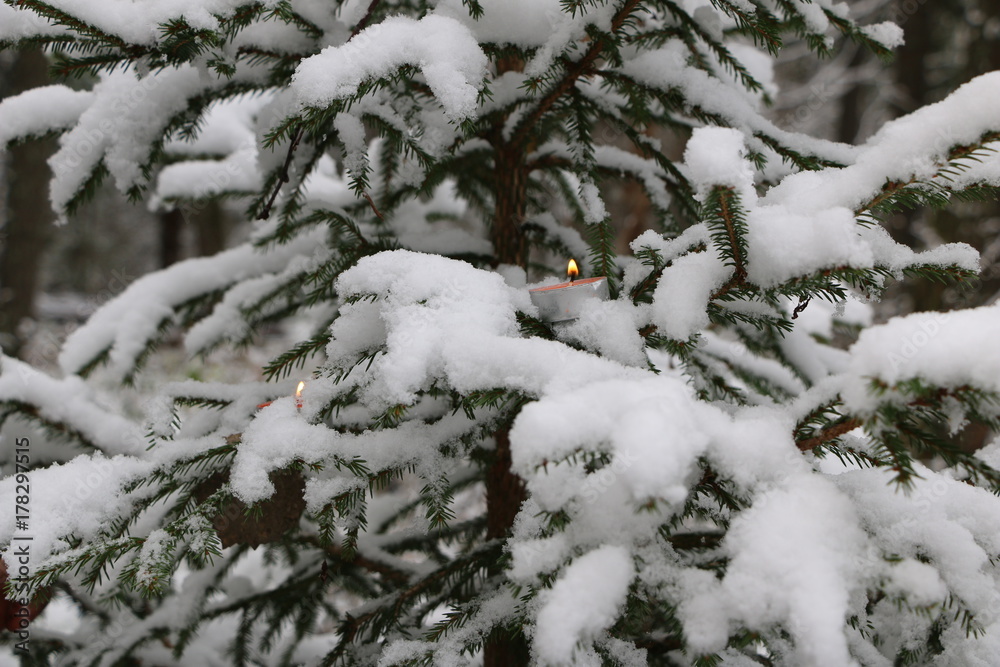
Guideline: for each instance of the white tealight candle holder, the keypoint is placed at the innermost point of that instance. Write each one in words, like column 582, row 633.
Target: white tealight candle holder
column 563, row 302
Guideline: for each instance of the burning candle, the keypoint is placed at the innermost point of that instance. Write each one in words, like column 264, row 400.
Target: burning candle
column 558, row 303
column 298, row 397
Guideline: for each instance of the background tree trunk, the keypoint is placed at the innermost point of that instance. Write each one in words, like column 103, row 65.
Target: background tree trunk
column 28, row 214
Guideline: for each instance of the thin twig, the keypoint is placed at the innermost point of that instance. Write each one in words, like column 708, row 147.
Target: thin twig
column 283, row 175
column 372, row 203
column 828, row 434
column 363, row 23
column 803, row 302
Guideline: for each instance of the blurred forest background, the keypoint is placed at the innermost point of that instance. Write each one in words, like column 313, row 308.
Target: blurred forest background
column 52, row 277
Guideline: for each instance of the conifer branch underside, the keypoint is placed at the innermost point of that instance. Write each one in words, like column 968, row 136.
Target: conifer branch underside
column 353, row 624
column 300, row 131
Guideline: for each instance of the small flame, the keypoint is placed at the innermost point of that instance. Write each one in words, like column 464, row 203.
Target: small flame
column 298, row 390
column 572, row 270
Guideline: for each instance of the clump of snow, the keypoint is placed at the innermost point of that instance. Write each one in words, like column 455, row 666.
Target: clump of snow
column 542, row 24
column 227, row 127
column 69, row 401
column 670, row 249
column 654, row 421
column 783, row 244
column 911, row 147
column 918, row 582
column 593, row 206
column 645, row 170
column 682, row 295
column 18, row 24
column 38, row 111
column 584, row 601
column 127, row 116
column 758, row 63
column 611, row 329
column 73, row 498
column 434, row 311
column 737, row 354
column 444, row 49
column 203, row 179
column 816, row 20
column 785, row 566
column 942, row 349
column 895, row 256
column 716, row 156
column 947, row 524
column 533, row 556
column 887, row 34
column 667, row 68
column 351, row 132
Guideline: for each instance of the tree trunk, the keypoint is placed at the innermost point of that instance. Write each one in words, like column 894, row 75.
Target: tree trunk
column 29, row 217
column 211, row 229
column 509, row 245
column 853, row 102
column 505, row 490
column 171, row 227
column 911, row 71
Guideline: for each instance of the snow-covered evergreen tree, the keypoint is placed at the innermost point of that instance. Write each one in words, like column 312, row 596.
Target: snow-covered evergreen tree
column 725, row 463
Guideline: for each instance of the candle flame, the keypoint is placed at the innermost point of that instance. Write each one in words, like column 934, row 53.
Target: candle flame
column 572, row 270
column 298, row 390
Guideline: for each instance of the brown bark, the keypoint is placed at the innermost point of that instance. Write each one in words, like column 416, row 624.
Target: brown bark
column 910, row 61
column 511, row 191
column 504, row 490
column 504, row 495
column 853, row 102
column 26, row 232
column 171, row 226
column 211, row 229
column 15, row 616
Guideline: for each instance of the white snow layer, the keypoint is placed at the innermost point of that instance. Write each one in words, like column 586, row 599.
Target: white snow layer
column 123, row 327
column 943, row 349
column 913, row 146
column 136, row 22
column 795, row 231
column 71, row 402
column 17, row 24
column 584, row 601
column 38, row 111
column 446, row 52
column 127, row 116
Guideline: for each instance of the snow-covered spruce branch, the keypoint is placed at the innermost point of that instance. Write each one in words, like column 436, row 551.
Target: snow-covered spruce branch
column 695, row 472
